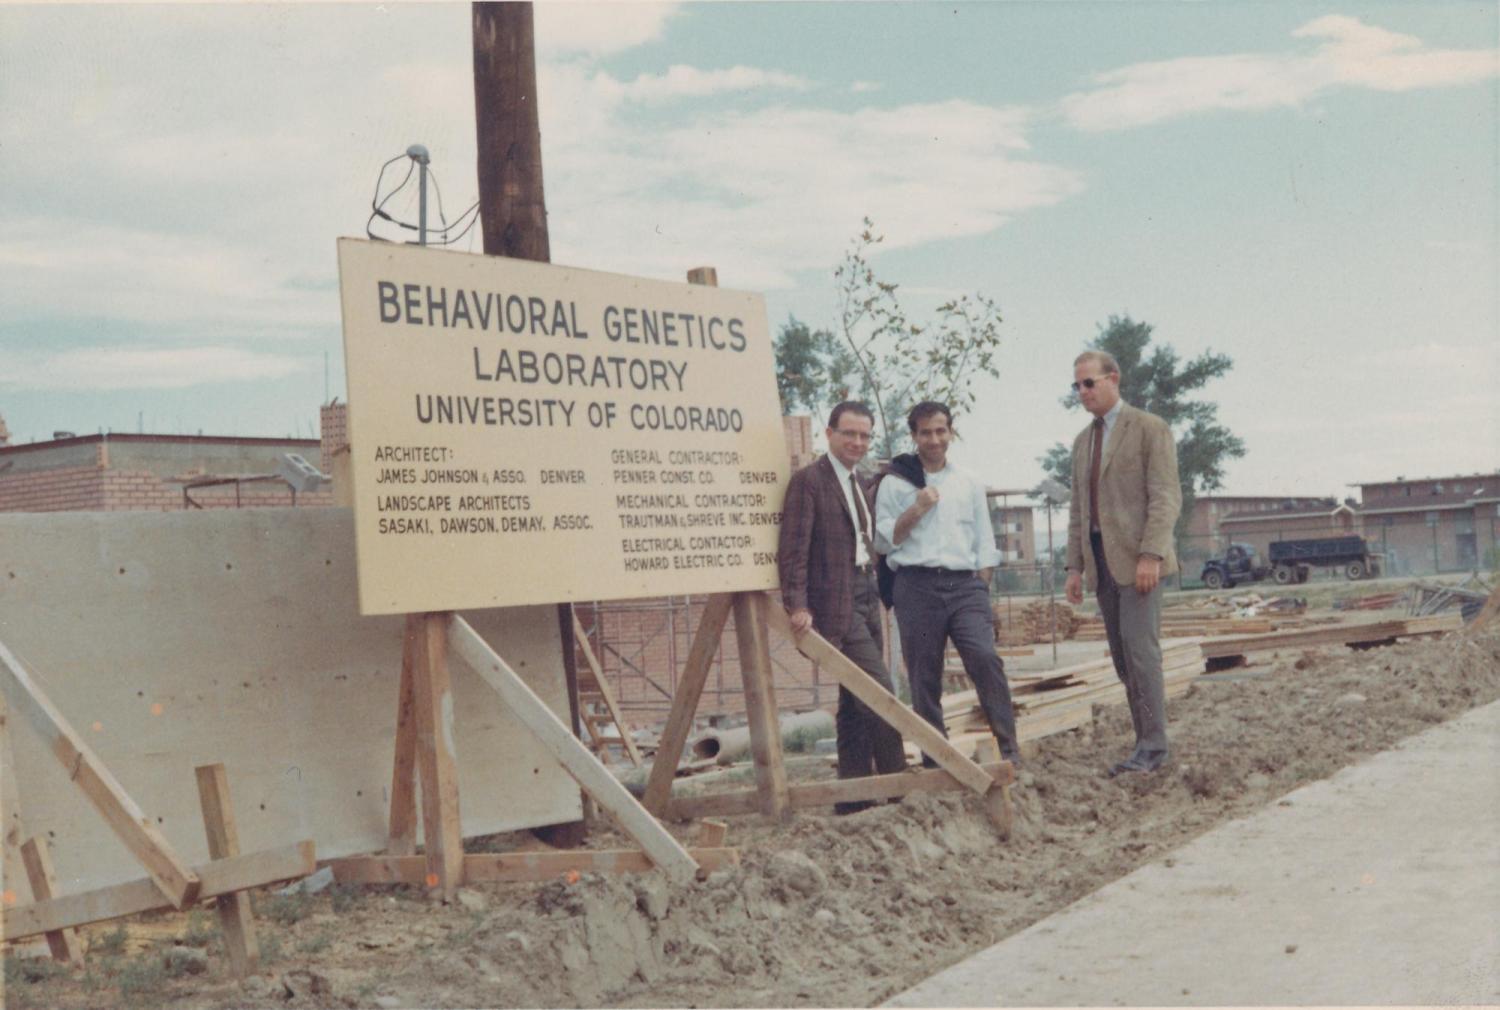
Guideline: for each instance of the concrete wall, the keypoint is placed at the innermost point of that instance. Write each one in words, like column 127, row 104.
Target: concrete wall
column 170, row 640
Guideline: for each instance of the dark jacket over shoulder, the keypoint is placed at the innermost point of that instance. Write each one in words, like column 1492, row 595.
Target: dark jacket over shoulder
column 816, row 554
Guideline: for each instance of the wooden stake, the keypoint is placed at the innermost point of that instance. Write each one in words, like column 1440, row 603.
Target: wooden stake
column 760, row 700
column 570, row 752
column 235, row 918
column 711, row 834
column 403, row 819
column 177, row 882
column 437, row 757
column 63, row 943
column 685, row 705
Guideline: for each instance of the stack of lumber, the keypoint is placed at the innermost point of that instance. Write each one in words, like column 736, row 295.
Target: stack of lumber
column 1191, row 626
column 1377, row 601
column 1032, row 624
column 1239, row 615
column 1052, row 701
column 1347, row 633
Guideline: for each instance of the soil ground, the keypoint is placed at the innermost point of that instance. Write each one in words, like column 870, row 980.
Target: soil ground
column 823, row 911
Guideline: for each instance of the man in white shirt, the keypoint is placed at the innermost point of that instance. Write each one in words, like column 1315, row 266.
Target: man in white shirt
column 933, row 524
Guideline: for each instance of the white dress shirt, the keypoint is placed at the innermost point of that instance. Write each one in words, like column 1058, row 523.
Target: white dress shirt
column 954, row 534
column 1110, row 417
column 861, row 552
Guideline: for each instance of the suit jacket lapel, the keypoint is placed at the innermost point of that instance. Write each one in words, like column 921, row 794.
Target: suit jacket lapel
column 831, row 479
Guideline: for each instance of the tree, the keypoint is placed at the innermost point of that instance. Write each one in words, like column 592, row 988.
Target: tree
column 1160, row 383
column 881, row 356
column 813, row 369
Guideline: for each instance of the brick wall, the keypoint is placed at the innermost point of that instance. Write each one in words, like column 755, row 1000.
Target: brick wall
column 66, row 489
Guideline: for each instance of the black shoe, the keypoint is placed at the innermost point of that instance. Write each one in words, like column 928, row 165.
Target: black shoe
column 844, row 809
column 1144, row 763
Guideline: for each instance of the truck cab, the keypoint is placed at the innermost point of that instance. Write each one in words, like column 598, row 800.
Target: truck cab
column 1240, row 563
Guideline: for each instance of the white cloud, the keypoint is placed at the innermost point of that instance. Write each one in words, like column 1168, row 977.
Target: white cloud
column 764, row 193
column 155, row 278
column 114, row 368
column 682, row 81
column 597, row 29
column 1350, row 54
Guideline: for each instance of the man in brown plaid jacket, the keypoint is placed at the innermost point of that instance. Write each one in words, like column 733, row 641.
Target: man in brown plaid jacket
column 827, row 565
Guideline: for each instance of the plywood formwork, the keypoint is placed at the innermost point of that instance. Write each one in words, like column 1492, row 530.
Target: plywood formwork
column 172, row 640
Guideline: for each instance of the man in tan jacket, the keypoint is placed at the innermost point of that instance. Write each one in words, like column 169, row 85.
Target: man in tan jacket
column 1126, row 498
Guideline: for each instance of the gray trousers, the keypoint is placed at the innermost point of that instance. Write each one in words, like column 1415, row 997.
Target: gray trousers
column 932, row 606
column 1133, row 624
column 863, row 737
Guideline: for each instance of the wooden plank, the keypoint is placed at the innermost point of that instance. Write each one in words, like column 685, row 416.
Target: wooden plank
column 883, row 787
column 1339, row 634
column 402, row 840
column 235, row 917
column 571, row 753
column 674, row 735
column 437, row 758
column 62, row 943
column 884, row 704
column 520, row 867
column 605, row 692
column 750, row 617
column 175, row 880
column 220, row 876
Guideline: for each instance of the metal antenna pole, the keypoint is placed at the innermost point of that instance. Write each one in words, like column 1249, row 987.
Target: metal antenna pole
column 418, row 153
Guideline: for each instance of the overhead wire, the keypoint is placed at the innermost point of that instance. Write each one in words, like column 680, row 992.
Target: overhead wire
column 377, row 209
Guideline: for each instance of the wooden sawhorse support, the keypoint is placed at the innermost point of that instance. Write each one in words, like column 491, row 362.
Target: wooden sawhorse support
column 425, row 746
column 754, row 613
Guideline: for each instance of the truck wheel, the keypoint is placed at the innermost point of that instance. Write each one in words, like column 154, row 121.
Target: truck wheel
column 1356, row 570
column 1213, row 579
column 1282, row 575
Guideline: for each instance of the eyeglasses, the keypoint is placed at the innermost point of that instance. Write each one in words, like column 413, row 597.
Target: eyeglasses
column 1089, row 383
column 857, row 436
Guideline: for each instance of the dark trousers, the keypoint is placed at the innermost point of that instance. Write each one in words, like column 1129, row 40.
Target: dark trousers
column 864, row 739
column 1132, row 623
column 933, row 606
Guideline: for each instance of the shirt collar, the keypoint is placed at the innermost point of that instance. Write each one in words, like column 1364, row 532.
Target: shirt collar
column 839, row 469
column 1113, row 414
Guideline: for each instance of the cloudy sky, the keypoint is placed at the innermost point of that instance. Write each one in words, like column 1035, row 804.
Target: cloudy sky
column 1310, row 188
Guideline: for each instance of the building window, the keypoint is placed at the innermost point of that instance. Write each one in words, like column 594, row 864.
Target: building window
column 1437, row 488
column 1432, row 519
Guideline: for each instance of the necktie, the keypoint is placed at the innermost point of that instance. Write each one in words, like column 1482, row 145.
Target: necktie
column 1098, row 450
column 862, row 517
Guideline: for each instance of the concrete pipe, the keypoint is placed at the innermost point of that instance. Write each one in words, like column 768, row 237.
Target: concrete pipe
column 729, row 745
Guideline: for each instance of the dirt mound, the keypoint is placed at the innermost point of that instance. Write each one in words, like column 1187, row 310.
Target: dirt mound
column 846, row 911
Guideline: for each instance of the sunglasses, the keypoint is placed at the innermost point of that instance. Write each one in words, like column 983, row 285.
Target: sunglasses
column 1088, row 383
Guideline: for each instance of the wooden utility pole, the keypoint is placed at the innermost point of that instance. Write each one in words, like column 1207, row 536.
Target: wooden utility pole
column 513, row 211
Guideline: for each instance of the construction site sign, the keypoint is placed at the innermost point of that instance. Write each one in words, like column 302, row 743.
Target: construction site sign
column 526, row 433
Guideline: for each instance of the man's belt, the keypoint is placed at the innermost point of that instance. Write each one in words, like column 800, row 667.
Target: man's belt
column 924, row 570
